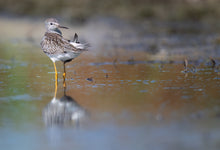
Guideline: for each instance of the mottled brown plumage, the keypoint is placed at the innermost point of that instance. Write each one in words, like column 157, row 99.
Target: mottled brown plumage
column 56, row 47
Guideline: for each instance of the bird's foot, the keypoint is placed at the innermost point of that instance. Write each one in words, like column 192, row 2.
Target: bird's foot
column 64, row 80
column 64, row 75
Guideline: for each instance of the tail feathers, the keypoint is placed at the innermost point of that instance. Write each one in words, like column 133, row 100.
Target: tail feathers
column 80, row 46
column 75, row 42
column 75, row 39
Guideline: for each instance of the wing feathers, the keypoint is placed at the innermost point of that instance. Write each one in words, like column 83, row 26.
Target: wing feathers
column 53, row 43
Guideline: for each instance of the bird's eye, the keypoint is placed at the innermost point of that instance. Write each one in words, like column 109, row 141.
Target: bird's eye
column 51, row 23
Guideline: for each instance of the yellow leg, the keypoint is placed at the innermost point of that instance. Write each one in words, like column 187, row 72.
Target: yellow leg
column 64, row 75
column 64, row 71
column 56, row 78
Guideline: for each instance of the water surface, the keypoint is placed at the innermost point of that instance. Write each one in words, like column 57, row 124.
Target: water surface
column 115, row 100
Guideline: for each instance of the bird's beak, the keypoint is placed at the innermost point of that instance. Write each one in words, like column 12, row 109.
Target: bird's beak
column 59, row 26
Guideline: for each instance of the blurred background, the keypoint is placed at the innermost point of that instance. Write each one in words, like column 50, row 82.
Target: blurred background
column 152, row 26
column 150, row 80
column 71, row 10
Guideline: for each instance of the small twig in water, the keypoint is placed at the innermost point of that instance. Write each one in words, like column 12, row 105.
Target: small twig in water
column 185, row 63
column 213, row 62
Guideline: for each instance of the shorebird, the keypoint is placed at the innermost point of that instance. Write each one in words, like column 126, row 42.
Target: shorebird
column 59, row 49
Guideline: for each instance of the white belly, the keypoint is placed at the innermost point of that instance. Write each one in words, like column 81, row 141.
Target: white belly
column 63, row 57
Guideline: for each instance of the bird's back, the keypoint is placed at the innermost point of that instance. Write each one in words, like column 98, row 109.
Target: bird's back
column 53, row 43
column 59, row 49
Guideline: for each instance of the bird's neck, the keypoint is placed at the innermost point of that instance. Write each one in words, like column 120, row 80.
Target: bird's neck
column 57, row 31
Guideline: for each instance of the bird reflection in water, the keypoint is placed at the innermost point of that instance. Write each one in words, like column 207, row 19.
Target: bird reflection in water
column 63, row 111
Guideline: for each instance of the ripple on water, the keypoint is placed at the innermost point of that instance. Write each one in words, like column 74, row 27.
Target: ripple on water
column 4, row 66
column 198, row 90
column 153, row 81
column 173, row 88
column 143, row 91
column 146, row 82
column 22, row 97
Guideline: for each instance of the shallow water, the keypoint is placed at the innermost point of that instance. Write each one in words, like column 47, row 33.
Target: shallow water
column 140, row 98
column 112, row 104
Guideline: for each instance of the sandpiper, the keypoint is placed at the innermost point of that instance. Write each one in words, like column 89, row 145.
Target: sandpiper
column 57, row 48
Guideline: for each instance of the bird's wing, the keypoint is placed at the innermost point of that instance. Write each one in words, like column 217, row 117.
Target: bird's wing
column 53, row 43
column 67, row 46
column 76, row 44
column 73, row 46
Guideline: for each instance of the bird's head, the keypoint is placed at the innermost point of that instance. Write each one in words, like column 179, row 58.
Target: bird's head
column 53, row 25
